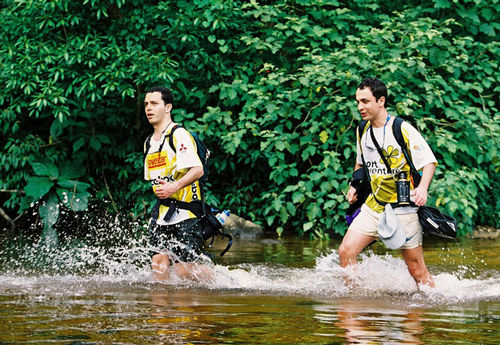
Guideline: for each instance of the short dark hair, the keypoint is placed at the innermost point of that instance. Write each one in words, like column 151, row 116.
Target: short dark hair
column 376, row 86
column 166, row 94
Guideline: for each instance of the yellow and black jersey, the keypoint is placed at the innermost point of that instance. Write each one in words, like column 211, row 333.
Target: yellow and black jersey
column 171, row 166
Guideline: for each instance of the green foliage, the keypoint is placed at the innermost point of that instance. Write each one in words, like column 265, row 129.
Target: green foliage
column 53, row 186
column 269, row 87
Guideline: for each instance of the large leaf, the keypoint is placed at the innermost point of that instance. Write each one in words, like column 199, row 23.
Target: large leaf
column 72, row 185
column 45, row 169
column 37, row 187
column 71, row 170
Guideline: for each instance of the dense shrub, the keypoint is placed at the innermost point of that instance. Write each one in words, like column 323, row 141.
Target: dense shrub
column 268, row 85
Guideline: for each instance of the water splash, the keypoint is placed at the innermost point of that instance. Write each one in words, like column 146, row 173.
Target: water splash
column 78, row 267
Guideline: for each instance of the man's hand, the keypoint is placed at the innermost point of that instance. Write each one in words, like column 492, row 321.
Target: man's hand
column 166, row 189
column 419, row 195
column 352, row 195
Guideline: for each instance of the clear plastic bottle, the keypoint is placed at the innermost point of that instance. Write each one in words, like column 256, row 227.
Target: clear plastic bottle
column 222, row 216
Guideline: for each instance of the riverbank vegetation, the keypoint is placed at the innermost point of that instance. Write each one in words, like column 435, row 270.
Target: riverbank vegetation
column 268, row 85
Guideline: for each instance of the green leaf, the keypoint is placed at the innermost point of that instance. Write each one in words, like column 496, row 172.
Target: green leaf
column 72, row 185
column 78, row 144
column 37, row 187
column 71, row 170
column 56, row 128
column 442, row 4
column 45, row 169
column 95, row 144
column 308, row 226
column 487, row 29
column 298, row 197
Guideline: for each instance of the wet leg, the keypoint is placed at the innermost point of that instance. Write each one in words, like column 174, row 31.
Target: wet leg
column 193, row 271
column 160, row 265
column 352, row 244
column 414, row 259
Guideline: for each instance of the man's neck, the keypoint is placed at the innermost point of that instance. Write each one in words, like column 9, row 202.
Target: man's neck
column 380, row 120
column 162, row 126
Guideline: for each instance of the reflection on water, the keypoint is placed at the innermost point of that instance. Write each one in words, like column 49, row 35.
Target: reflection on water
column 270, row 292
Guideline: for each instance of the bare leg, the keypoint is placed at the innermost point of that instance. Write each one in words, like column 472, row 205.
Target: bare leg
column 414, row 259
column 352, row 244
column 193, row 271
column 160, row 264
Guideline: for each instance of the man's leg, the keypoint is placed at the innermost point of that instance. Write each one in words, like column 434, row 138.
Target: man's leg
column 160, row 264
column 352, row 244
column 414, row 259
column 190, row 234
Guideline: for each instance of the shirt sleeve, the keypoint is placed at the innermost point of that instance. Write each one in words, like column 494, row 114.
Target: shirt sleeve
column 185, row 148
column 421, row 153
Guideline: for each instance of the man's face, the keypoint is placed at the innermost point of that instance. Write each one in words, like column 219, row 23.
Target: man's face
column 368, row 107
column 155, row 108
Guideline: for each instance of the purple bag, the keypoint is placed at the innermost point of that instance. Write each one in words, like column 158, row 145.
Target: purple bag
column 350, row 217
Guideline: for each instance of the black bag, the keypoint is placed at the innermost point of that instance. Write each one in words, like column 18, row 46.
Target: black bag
column 437, row 223
column 212, row 227
column 362, row 185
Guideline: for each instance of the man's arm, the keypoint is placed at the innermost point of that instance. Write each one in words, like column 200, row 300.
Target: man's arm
column 420, row 193
column 167, row 189
column 352, row 195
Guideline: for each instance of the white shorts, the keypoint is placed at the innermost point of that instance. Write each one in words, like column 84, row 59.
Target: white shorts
column 367, row 223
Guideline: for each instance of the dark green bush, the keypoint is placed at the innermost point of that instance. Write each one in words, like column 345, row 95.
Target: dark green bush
column 268, row 85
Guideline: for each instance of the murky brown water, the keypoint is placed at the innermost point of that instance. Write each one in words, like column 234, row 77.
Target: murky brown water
column 264, row 292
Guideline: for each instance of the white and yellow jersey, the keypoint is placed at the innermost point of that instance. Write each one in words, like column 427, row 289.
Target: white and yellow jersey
column 384, row 184
column 170, row 166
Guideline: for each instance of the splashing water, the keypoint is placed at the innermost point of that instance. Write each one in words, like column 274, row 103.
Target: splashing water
column 76, row 267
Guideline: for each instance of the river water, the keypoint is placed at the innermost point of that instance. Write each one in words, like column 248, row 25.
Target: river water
column 266, row 291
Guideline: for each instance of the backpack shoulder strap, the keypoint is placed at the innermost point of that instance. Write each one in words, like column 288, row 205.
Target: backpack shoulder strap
column 361, row 128
column 147, row 145
column 171, row 137
column 396, row 129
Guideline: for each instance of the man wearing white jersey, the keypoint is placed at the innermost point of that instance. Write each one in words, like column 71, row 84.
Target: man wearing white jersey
column 371, row 97
column 175, row 232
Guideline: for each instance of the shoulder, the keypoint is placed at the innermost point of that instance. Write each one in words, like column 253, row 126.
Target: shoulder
column 406, row 128
column 181, row 133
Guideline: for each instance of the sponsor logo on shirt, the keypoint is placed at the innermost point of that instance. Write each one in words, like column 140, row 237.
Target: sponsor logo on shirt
column 156, row 161
column 183, row 149
column 169, row 178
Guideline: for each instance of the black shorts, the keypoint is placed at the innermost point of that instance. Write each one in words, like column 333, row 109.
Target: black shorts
column 183, row 239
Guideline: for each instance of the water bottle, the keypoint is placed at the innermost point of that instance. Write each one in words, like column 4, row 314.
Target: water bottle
column 403, row 188
column 222, row 216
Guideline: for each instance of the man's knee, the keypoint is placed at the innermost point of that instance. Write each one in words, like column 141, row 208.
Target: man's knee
column 343, row 250
column 347, row 255
column 160, row 261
